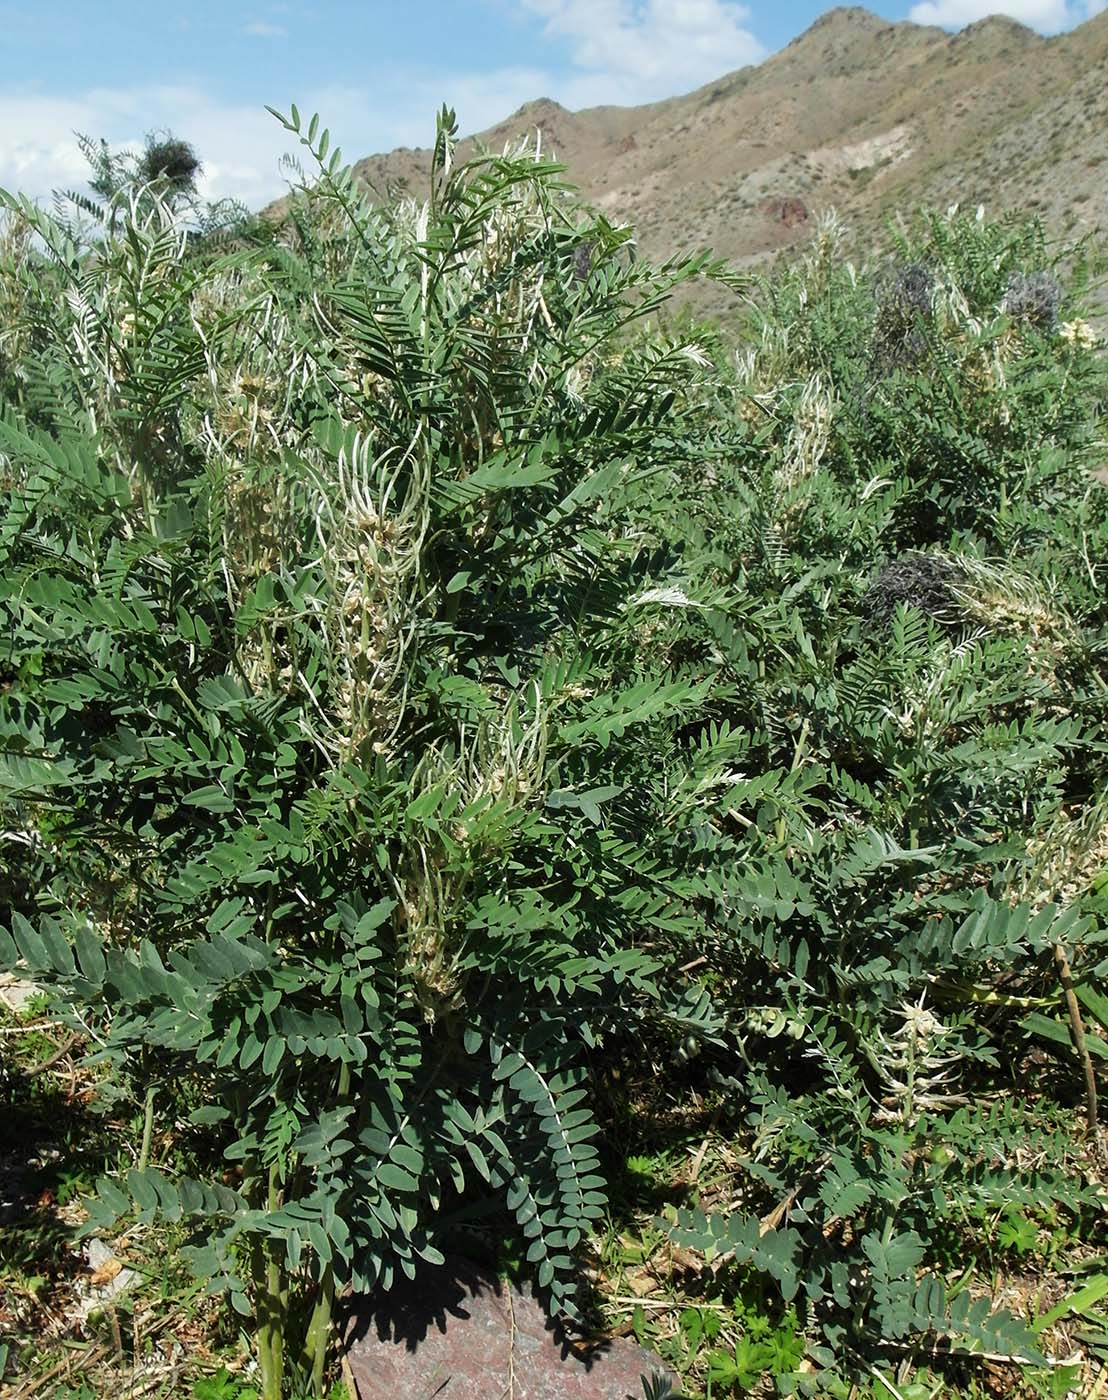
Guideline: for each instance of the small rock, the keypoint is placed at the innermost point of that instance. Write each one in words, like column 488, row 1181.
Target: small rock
column 16, row 993
column 641, row 1282
column 459, row 1333
column 791, row 212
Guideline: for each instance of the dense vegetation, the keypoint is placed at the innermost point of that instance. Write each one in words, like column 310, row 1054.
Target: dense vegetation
column 434, row 687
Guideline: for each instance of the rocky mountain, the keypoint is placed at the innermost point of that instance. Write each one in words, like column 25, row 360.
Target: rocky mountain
column 856, row 114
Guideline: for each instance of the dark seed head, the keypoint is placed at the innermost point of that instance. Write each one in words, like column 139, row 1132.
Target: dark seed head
column 171, row 160
column 921, row 581
column 905, row 304
column 1033, row 297
column 907, row 291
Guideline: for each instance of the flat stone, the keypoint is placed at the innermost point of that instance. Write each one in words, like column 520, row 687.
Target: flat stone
column 459, row 1333
column 16, row 992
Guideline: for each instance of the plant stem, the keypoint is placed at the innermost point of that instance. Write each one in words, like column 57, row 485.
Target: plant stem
column 147, row 1129
column 318, row 1334
column 272, row 1301
column 319, row 1331
column 274, row 1282
column 1077, row 1029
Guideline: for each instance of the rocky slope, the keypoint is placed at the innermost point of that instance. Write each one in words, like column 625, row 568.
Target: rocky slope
column 856, row 114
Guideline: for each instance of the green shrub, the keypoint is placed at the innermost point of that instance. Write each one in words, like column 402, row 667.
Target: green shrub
column 912, row 649
column 422, row 682
column 316, row 569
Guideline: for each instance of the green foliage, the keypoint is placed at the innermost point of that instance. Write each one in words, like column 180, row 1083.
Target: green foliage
column 320, row 710
column 913, row 824
column 165, row 171
column 778, row 1353
column 426, row 683
column 658, row 1388
column 221, row 1386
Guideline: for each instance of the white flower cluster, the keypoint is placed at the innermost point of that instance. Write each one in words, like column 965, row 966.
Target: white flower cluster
column 1078, row 333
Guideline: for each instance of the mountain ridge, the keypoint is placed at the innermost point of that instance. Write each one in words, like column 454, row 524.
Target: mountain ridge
column 858, row 114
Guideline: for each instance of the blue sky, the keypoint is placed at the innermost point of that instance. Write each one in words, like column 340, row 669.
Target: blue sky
column 375, row 70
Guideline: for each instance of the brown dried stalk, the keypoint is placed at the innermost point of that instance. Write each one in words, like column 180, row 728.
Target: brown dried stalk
column 1077, row 1030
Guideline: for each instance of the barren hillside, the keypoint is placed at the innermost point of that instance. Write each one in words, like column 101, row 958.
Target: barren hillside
column 856, row 114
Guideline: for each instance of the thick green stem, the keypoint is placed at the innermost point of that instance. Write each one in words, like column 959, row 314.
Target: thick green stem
column 269, row 1365
column 319, row 1331
column 147, row 1129
column 272, row 1301
column 271, row 1380
column 318, row 1336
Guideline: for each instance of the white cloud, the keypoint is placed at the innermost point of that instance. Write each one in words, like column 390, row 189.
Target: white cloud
column 633, row 51
column 1047, row 16
column 621, row 51
column 260, row 29
column 241, row 145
